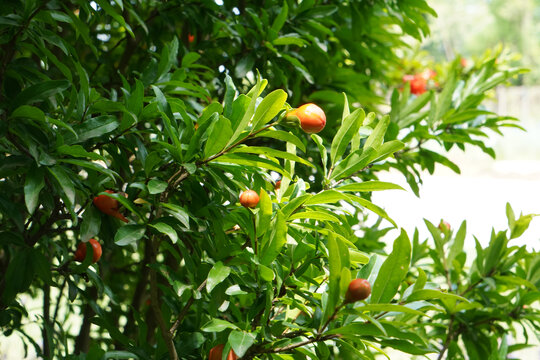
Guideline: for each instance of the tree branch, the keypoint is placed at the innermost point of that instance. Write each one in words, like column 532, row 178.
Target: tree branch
column 448, row 340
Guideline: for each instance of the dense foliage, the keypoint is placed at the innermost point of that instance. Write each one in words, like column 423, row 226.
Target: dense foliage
column 139, row 123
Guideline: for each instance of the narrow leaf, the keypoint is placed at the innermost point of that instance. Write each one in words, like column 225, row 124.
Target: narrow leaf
column 393, row 270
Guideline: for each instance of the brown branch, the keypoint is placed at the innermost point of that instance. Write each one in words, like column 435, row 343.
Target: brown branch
column 54, row 217
column 57, row 305
column 329, row 320
column 448, row 340
column 167, row 335
column 82, row 341
column 46, row 321
column 139, row 293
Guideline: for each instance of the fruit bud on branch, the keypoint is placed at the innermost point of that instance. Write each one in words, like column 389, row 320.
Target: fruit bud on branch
column 309, row 117
column 359, row 289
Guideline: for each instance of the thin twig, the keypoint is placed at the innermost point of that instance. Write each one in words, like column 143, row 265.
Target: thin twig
column 449, row 338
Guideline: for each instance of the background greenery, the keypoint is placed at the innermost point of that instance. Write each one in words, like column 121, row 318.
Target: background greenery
column 178, row 105
column 468, row 28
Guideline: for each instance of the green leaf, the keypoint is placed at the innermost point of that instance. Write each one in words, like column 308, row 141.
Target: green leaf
column 266, row 273
column 217, row 274
column 326, row 197
column 370, row 329
column 298, row 66
column 242, row 125
column 40, row 91
column 35, row 181
column 28, row 112
column 77, row 151
column 515, row 280
column 372, row 207
column 269, row 107
column 393, row 271
column 190, row 58
column 167, row 230
column 389, row 308
column 277, row 240
column 345, row 133
column 264, row 216
column 178, row 212
column 334, row 266
column 92, row 166
column 241, row 341
column 387, row 149
column 91, row 223
column 250, row 160
column 322, row 150
column 66, row 184
column 290, row 39
column 374, row 185
column 230, row 93
column 83, row 81
column 19, row 275
column 437, row 238
column 430, row 294
column 520, row 225
column 135, row 100
column 377, row 136
column 407, row 347
column 353, row 163
column 219, row 135
column 128, row 234
column 358, row 257
column 315, row 215
column 217, row 325
column 445, row 98
column 157, row 186
column 436, row 157
column 294, row 204
column 421, row 280
column 269, row 152
column 413, row 107
column 284, row 136
column 457, row 245
column 279, row 21
column 168, row 57
column 119, row 354
column 92, row 128
column 511, row 217
column 168, row 119
column 235, row 290
column 462, row 116
column 495, row 250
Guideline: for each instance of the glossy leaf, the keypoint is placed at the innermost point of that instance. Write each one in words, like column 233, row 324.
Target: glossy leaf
column 128, row 234
column 217, row 274
column 348, row 129
column 241, row 341
column 33, row 185
column 269, row 107
column 393, row 271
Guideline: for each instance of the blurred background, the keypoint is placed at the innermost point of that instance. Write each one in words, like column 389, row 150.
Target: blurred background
column 479, row 195
column 468, row 29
